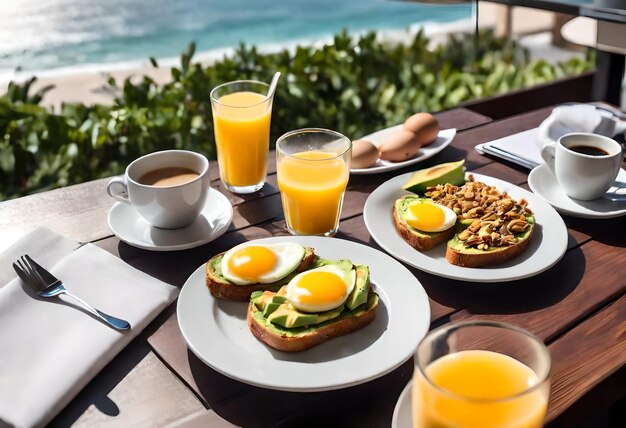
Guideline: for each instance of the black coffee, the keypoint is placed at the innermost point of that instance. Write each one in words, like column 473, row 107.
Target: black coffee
column 588, row 150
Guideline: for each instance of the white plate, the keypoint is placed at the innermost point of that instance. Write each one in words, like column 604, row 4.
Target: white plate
column 402, row 413
column 547, row 246
column 126, row 223
column 216, row 330
column 542, row 182
column 444, row 138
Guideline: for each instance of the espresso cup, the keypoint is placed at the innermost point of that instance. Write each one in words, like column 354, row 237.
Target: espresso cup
column 170, row 204
column 585, row 165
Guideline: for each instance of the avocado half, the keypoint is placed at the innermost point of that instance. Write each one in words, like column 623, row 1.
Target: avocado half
column 451, row 172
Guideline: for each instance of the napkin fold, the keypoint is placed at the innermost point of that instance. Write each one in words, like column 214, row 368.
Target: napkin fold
column 578, row 118
column 50, row 348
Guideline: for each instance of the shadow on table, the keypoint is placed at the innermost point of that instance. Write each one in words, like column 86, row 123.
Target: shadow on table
column 369, row 404
column 530, row 294
column 608, row 231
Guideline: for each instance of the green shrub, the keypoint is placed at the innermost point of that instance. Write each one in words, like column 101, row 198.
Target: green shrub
column 355, row 86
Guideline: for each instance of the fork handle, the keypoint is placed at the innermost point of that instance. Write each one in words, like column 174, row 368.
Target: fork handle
column 114, row 322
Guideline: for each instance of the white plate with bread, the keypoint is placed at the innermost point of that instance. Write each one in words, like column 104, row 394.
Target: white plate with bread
column 547, row 245
column 217, row 332
column 379, row 138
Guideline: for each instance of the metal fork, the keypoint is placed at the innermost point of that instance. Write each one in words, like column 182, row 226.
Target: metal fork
column 47, row 285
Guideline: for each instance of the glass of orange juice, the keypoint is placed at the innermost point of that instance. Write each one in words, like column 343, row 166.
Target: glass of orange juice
column 242, row 111
column 480, row 374
column 313, row 167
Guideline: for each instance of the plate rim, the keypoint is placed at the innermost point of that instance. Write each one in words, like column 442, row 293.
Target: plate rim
column 566, row 211
column 422, row 316
column 185, row 246
column 413, row 161
column 404, row 395
column 485, row 279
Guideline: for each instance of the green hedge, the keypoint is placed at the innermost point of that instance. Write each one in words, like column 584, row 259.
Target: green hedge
column 354, row 85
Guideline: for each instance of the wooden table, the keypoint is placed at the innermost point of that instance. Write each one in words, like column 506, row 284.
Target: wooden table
column 578, row 307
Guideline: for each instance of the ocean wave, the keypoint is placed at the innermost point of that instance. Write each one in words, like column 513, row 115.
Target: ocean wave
column 431, row 28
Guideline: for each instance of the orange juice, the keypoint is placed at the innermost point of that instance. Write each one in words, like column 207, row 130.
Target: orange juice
column 312, row 186
column 477, row 389
column 242, row 132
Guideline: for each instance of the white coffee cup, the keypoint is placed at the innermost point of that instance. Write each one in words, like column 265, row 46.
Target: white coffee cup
column 583, row 176
column 170, row 207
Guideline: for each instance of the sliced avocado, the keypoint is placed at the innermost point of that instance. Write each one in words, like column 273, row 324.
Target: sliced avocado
column 343, row 264
column 287, row 316
column 284, row 314
column 451, row 172
column 329, row 315
column 372, row 300
column 270, row 308
column 262, row 299
column 358, row 296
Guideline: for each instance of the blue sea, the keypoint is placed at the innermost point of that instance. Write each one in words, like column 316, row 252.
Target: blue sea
column 49, row 35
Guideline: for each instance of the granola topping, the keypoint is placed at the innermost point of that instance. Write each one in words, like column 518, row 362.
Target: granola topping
column 498, row 217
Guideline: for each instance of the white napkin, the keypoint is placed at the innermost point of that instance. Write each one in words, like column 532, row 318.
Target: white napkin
column 578, row 118
column 518, row 148
column 524, row 148
column 49, row 350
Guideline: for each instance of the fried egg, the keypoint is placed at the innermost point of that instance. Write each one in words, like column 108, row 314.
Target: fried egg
column 429, row 216
column 263, row 264
column 320, row 289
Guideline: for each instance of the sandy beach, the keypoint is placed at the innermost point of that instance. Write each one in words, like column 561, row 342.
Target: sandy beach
column 90, row 87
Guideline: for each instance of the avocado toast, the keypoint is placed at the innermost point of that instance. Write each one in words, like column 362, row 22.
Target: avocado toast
column 418, row 239
column 278, row 319
column 491, row 227
column 222, row 288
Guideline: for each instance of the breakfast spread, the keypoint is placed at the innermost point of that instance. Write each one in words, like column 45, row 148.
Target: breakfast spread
column 482, row 226
column 418, row 131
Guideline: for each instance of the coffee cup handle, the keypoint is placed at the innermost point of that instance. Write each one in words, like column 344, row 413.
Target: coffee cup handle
column 547, row 153
column 116, row 188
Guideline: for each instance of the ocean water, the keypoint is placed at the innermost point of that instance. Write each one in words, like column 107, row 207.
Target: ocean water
column 48, row 35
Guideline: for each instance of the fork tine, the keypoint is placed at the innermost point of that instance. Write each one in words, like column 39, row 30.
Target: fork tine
column 20, row 272
column 41, row 284
column 47, row 277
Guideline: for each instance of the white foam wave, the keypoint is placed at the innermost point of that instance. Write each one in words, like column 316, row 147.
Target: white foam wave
column 396, row 35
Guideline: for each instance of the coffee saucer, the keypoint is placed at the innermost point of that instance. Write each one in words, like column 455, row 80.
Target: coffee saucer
column 544, row 184
column 215, row 218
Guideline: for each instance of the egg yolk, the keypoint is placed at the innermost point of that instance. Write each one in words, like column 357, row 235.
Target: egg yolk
column 322, row 287
column 425, row 216
column 251, row 262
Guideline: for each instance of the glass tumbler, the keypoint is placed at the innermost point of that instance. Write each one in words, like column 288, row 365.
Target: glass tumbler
column 313, row 167
column 242, row 112
column 480, row 374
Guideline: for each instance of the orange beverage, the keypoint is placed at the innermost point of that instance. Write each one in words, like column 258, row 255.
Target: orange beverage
column 242, row 128
column 480, row 374
column 313, row 170
column 473, row 389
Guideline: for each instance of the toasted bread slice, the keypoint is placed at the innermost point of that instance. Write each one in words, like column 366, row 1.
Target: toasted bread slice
column 224, row 289
column 471, row 257
column 300, row 339
column 415, row 238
